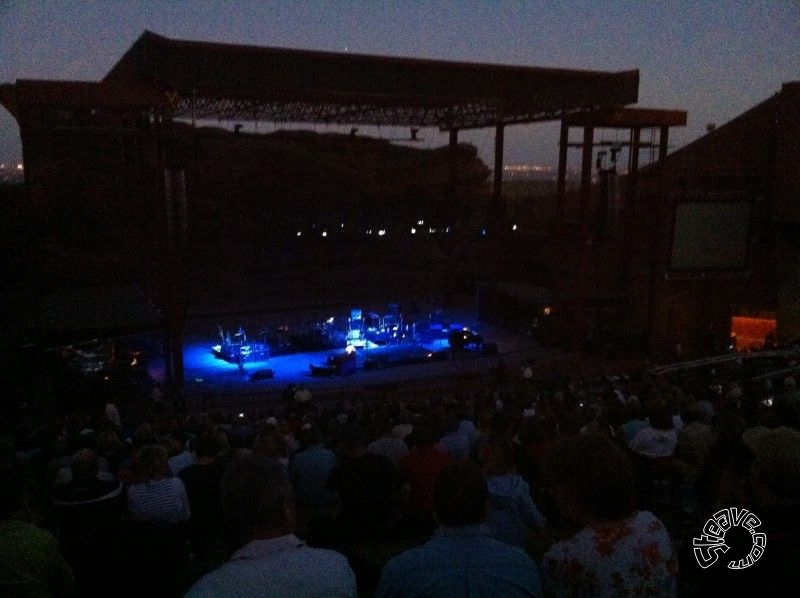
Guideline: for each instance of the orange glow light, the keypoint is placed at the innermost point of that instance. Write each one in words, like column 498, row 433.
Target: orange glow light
column 750, row 332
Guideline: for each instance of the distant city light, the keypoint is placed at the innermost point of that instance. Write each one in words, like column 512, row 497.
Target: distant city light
column 420, row 222
column 483, row 232
column 341, row 225
column 514, row 227
column 413, row 231
column 528, row 171
column 324, row 233
column 381, row 232
column 299, row 233
column 19, row 166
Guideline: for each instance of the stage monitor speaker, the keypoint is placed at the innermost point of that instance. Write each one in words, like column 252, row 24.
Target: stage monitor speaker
column 262, row 374
column 489, row 349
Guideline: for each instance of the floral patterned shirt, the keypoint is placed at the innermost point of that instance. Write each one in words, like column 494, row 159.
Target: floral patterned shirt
column 633, row 557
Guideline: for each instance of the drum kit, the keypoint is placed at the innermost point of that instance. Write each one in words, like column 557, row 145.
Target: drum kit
column 379, row 329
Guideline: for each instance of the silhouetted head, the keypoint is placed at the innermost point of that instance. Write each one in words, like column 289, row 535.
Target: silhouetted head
column 461, row 495
column 257, row 500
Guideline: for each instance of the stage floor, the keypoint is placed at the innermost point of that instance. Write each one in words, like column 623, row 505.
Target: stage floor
column 207, row 373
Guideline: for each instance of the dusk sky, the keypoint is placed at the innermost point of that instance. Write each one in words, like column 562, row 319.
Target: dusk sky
column 713, row 59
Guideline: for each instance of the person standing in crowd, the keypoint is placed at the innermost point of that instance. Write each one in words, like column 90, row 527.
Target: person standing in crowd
column 659, row 438
column 421, row 468
column 88, row 512
column 30, row 562
column 202, row 482
column 156, row 497
column 454, row 441
column 461, row 559
column 618, row 550
column 368, row 486
column 512, row 512
column 385, row 443
column 259, row 514
column 309, row 469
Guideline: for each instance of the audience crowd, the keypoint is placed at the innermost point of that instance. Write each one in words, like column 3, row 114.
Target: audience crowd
column 536, row 485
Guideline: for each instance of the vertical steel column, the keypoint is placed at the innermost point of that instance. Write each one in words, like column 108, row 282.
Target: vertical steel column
column 629, row 222
column 453, row 161
column 173, row 194
column 498, row 209
column 586, row 177
column 582, row 234
column 659, row 257
column 561, row 185
column 663, row 143
column 633, row 161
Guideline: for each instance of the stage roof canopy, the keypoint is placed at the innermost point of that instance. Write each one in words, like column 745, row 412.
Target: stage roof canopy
column 202, row 80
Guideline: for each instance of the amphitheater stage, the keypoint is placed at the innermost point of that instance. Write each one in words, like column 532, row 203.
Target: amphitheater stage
column 425, row 362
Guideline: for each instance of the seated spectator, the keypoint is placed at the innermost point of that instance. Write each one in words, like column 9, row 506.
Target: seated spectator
column 790, row 391
column 635, row 419
column 618, row 550
column 272, row 561
column 659, row 438
column 87, row 483
column 111, row 412
column 403, row 427
column 202, row 481
column 387, row 444
column 694, row 439
column 512, row 512
column 271, row 444
column 30, row 561
column 309, row 469
column 368, row 487
column 774, row 499
column 454, row 441
column 609, row 417
column 462, row 559
column 156, row 496
column 186, row 457
column 421, row 468
column 88, row 512
column 112, row 449
column 86, row 440
column 722, row 482
column 157, row 530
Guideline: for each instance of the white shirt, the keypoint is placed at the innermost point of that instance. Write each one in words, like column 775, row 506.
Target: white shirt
column 654, row 443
